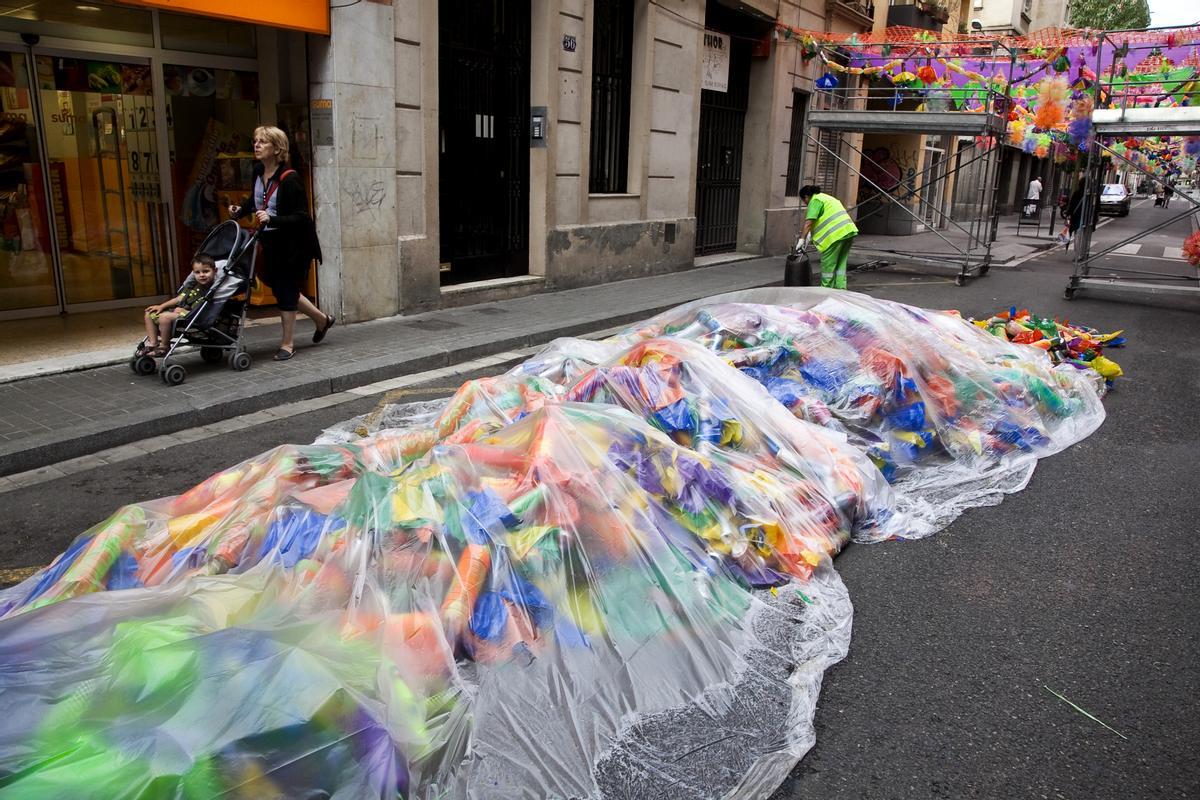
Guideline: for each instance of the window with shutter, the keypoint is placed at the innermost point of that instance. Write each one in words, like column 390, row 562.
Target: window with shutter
column 612, row 65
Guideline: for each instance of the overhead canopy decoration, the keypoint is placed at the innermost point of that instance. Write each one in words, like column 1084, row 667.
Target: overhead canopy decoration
column 1052, row 80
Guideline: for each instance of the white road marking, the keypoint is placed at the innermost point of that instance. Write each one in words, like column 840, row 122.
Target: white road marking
column 1173, row 252
column 1128, row 250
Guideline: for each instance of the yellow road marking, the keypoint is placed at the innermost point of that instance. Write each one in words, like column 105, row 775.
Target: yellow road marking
column 397, row 393
column 16, row 574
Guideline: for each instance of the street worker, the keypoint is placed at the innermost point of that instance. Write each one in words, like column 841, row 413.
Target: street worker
column 828, row 225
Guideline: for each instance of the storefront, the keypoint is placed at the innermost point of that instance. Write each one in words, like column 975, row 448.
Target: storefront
column 124, row 132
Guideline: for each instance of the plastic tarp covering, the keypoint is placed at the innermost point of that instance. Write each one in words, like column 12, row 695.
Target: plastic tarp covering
column 605, row 573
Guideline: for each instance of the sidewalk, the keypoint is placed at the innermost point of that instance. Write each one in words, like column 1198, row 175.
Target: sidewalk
column 51, row 418
column 1011, row 244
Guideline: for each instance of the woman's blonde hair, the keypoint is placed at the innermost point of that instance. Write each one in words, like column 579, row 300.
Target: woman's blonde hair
column 276, row 137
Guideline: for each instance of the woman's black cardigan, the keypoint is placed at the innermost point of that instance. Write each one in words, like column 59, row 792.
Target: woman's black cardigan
column 294, row 238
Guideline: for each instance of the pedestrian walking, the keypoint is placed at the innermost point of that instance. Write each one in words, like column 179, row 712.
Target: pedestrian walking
column 288, row 237
column 1168, row 190
column 1074, row 216
column 1033, row 196
column 828, row 225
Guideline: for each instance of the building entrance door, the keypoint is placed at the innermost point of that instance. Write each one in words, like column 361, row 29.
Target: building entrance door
column 483, row 138
column 934, row 181
column 719, row 155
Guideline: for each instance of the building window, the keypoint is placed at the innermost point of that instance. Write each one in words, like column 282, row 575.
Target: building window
column 796, row 143
column 612, row 65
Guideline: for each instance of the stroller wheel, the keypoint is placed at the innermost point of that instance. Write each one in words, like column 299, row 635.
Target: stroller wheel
column 211, row 355
column 240, row 361
column 174, row 375
column 142, row 365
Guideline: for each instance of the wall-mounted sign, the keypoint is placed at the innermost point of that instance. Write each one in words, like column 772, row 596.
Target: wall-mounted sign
column 302, row 15
column 715, row 62
column 568, row 43
column 320, row 121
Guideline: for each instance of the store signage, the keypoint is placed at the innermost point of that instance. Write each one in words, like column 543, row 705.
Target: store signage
column 715, row 66
column 302, row 15
column 320, row 121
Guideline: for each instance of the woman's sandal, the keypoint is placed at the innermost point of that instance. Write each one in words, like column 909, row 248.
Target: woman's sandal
column 319, row 333
column 283, row 355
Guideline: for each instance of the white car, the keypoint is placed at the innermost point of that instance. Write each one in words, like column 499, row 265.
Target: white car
column 1115, row 198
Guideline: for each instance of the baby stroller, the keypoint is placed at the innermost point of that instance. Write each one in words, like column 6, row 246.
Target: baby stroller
column 215, row 325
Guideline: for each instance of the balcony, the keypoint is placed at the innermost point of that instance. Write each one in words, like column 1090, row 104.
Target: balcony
column 929, row 16
column 860, row 12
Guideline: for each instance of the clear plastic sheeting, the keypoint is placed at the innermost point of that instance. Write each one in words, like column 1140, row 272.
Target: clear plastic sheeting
column 605, row 573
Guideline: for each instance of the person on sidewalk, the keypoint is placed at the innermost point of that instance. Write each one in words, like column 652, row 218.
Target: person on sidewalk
column 1033, row 196
column 1074, row 216
column 828, row 225
column 288, row 236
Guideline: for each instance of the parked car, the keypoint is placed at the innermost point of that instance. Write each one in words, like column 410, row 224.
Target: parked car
column 1115, row 198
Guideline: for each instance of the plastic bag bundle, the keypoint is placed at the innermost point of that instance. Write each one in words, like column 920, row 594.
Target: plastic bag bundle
column 927, row 396
column 606, row 573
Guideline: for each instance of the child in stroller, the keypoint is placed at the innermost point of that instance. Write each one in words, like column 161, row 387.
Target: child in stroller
column 208, row 312
column 160, row 319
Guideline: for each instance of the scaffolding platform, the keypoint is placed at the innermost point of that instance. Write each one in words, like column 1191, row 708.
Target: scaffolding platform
column 1175, row 121
column 967, row 242
column 931, row 123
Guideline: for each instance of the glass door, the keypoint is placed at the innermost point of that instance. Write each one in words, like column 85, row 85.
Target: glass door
column 103, row 174
column 28, row 280
column 934, row 184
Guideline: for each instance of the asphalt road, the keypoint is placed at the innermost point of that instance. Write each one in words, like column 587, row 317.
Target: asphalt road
column 1084, row 583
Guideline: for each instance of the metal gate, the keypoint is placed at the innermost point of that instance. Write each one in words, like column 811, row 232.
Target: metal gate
column 483, row 142
column 719, row 156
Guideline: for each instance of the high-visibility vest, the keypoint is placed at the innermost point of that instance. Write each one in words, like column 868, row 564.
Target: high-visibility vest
column 834, row 224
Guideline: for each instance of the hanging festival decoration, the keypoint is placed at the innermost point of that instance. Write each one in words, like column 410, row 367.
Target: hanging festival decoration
column 1051, row 93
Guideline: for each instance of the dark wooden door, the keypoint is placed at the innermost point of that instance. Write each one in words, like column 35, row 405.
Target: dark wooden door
column 483, row 142
column 719, row 156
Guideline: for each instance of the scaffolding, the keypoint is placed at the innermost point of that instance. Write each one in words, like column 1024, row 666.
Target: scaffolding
column 928, row 112
column 1147, row 117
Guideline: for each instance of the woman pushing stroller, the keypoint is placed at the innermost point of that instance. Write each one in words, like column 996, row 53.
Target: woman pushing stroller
column 288, row 237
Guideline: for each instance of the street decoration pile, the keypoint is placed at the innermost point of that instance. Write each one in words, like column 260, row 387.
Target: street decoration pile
column 1064, row 342
column 607, row 572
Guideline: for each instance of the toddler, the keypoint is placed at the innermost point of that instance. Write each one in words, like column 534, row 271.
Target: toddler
column 160, row 318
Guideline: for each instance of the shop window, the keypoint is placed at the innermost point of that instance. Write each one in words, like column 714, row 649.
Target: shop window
column 102, row 155
column 206, row 35
column 89, row 20
column 612, row 65
column 211, row 117
column 26, row 266
column 796, row 144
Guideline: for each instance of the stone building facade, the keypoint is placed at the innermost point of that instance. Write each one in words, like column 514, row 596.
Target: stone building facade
column 479, row 151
